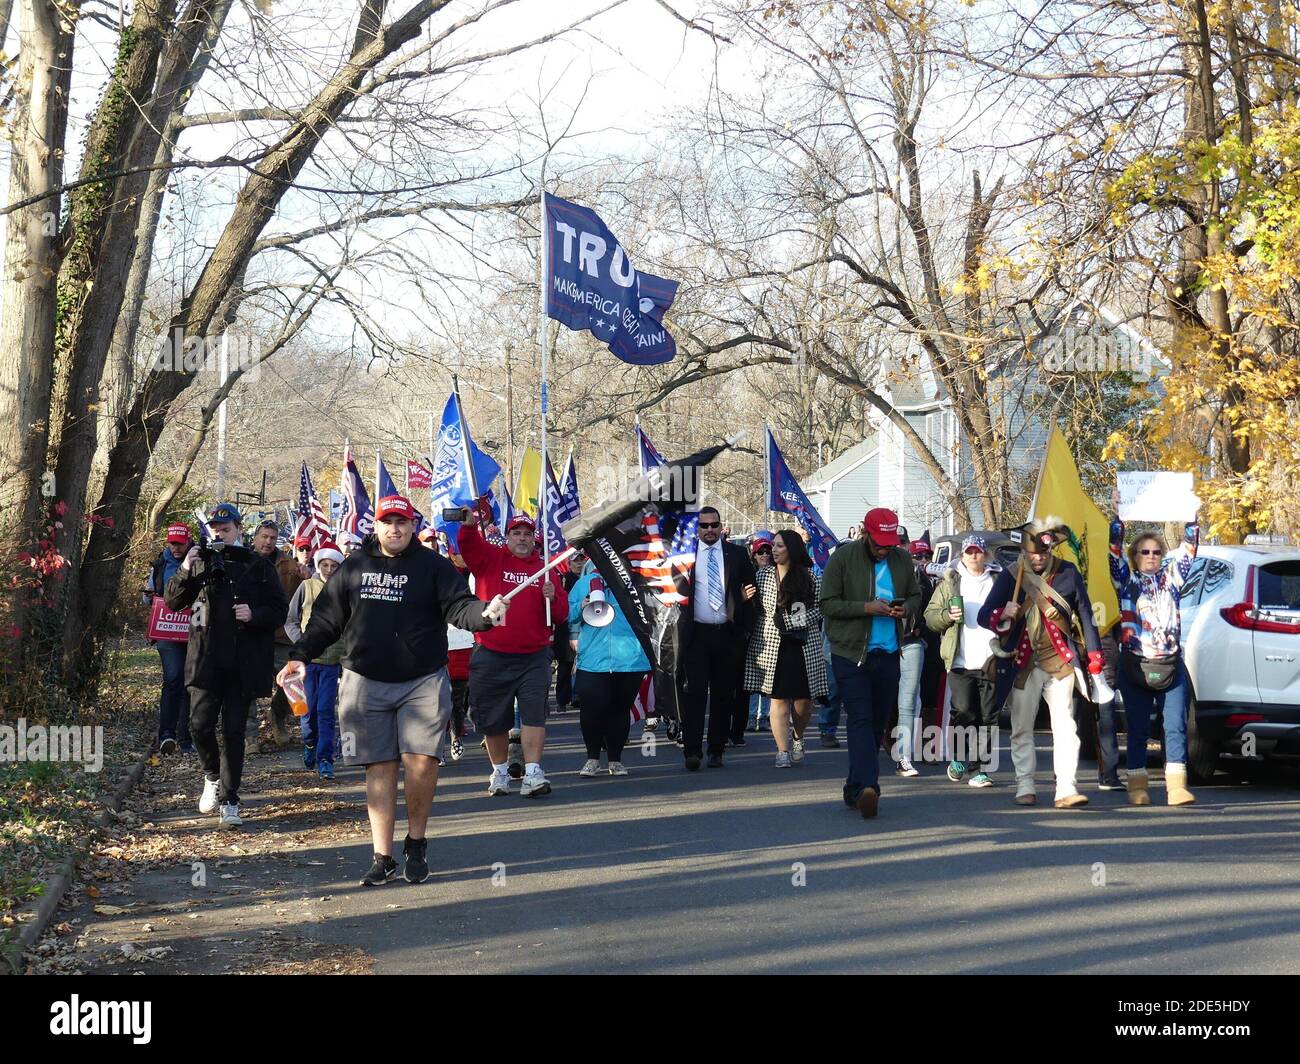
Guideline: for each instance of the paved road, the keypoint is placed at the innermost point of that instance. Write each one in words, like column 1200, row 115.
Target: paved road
column 674, row 872
column 667, row 871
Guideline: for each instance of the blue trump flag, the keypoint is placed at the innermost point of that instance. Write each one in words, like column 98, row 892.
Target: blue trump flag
column 785, row 496
column 452, row 484
column 592, row 285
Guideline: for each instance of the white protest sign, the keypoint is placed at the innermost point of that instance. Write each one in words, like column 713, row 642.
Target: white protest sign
column 1157, row 495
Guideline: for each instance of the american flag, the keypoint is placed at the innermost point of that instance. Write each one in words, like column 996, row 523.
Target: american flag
column 649, row 557
column 681, row 554
column 643, row 704
column 311, row 520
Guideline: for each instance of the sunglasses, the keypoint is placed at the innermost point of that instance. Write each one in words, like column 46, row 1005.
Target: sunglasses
column 710, row 524
column 1149, row 553
column 763, row 550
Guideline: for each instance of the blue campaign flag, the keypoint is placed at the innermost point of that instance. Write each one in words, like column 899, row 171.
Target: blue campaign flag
column 569, row 490
column 785, row 496
column 650, row 458
column 454, row 451
column 561, row 506
column 591, row 285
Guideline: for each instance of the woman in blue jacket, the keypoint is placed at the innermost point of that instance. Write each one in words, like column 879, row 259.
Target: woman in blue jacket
column 611, row 666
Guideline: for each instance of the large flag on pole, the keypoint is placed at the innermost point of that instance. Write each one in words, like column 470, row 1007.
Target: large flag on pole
column 311, row 518
column 528, row 483
column 649, row 457
column 561, row 506
column 358, row 515
column 461, row 472
column 417, row 476
column 1060, row 494
column 785, row 496
column 591, row 285
column 622, row 538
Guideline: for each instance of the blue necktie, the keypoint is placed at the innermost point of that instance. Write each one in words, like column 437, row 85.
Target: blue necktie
column 715, row 581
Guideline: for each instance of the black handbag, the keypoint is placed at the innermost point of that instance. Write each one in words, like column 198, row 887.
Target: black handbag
column 798, row 635
column 1155, row 674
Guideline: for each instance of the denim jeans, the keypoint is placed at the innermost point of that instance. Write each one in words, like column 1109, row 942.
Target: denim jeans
column 1139, row 703
column 1107, row 741
column 321, row 721
column 911, row 663
column 174, row 706
column 828, row 719
column 870, row 692
column 759, row 708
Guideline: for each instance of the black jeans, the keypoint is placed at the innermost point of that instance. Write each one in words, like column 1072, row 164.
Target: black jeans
column 713, row 666
column 606, row 712
column 225, row 762
column 975, row 711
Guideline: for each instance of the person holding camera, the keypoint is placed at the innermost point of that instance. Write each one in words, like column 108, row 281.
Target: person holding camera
column 512, row 663
column 869, row 596
column 785, row 659
column 390, row 604
column 292, row 573
column 238, row 604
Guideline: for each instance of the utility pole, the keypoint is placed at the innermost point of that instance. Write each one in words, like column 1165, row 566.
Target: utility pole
column 510, row 416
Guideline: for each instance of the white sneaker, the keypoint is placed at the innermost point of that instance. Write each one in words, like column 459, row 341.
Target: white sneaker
column 906, row 768
column 230, row 815
column 498, row 783
column 782, row 760
column 616, row 768
column 535, row 785
column 208, row 803
column 796, row 752
column 590, row 768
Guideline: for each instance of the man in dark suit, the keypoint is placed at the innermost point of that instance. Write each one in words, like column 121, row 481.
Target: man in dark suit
column 713, row 630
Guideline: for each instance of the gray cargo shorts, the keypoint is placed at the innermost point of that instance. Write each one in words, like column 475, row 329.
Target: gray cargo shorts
column 381, row 721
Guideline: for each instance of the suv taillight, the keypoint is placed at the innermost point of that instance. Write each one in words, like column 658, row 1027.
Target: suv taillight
column 1247, row 615
column 1236, row 720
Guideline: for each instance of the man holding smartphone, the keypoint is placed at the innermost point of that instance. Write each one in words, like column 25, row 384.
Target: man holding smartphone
column 869, row 591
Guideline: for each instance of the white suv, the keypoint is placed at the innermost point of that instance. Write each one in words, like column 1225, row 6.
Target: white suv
column 1241, row 642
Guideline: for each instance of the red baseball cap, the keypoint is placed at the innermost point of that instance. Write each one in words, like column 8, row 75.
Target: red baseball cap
column 302, row 541
column 882, row 526
column 395, row 504
column 178, row 533
column 518, row 521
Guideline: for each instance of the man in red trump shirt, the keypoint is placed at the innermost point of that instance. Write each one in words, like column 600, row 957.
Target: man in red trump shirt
column 513, row 661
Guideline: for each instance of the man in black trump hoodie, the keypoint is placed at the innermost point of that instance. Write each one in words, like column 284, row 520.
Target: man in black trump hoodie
column 390, row 603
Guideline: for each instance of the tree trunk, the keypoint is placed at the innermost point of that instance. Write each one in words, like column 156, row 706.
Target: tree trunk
column 27, row 313
column 105, row 554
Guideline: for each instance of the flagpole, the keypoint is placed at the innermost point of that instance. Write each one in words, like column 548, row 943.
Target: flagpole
column 470, row 471
column 376, row 477
column 543, row 251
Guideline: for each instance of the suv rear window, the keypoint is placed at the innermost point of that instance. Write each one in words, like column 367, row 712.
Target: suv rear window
column 1279, row 586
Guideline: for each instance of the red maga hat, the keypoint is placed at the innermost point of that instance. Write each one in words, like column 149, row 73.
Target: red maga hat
column 882, row 526
column 395, row 504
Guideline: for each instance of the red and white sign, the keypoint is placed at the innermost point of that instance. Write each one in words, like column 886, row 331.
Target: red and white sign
column 417, row 476
column 171, row 626
column 643, row 704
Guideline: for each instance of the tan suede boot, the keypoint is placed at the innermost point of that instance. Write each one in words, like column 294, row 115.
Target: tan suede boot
column 1137, row 789
column 1176, row 785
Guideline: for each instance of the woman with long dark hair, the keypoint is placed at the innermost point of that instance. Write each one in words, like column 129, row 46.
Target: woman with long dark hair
column 785, row 657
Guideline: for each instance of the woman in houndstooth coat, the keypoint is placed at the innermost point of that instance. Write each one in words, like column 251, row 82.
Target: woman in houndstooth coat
column 779, row 663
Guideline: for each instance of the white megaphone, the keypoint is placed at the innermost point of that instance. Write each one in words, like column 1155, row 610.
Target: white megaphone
column 1101, row 690
column 597, row 612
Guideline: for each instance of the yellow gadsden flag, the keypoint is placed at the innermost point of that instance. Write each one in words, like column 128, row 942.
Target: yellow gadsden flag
column 528, row 485
column 1060, row 494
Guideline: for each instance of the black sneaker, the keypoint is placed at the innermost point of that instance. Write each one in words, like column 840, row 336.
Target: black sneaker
column 739, row 740
column 382, row 871
column 1115, row 784
column 167, row 746
column 692, row 763
column 417, row 865
column 715, row 761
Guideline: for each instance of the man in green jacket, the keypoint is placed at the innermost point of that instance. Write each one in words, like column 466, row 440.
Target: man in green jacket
column 869, row 590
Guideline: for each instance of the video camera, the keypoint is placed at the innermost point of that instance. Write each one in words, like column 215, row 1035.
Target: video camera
column 213, row 555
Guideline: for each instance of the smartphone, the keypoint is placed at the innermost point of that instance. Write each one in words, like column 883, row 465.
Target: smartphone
column 897, row 603
column 459, row 513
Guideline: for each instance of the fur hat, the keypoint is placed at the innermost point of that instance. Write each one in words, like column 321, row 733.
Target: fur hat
column 1046, row 531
